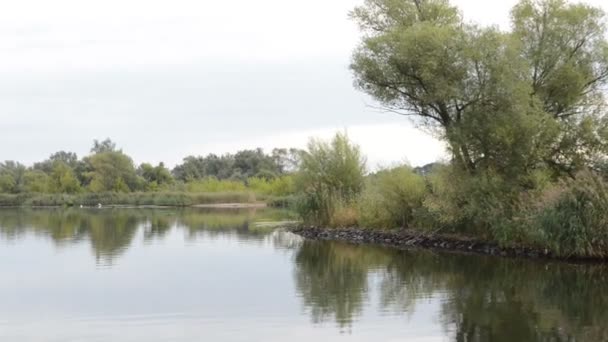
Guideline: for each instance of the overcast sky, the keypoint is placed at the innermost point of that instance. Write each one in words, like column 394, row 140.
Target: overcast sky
column 166, row 79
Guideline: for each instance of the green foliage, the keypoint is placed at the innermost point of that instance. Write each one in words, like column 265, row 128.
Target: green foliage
column 571, row 218
column 211, row 184
column 12, row 177
column 12, row 200
column 510, row 102
column 331, row 175
column 36, row 181
column 239, row 166
column 104, row 146
column 172, row 199
column 393, row 198
column 486, row 205
column 522, row 113
column 111, row 171
column 68, row 158
column 156, row 177
column 280, row 186
column 62, row 179
column 7, row 183
column 108, row 177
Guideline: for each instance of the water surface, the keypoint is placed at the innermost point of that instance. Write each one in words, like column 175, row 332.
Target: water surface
column 202, row 275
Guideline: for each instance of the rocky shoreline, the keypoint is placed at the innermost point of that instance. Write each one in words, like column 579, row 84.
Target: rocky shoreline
column 407, row 239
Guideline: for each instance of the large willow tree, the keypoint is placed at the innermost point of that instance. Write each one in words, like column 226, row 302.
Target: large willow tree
column 512, row 102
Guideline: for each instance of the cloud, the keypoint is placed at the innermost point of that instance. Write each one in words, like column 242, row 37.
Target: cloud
column 165, row 79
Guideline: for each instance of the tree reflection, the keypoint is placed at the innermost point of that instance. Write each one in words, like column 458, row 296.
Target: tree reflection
column 158, row 226
column 332, row 280
column 110, row 232
column 482, row 298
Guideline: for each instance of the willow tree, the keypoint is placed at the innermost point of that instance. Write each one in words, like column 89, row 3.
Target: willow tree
column 512, row 102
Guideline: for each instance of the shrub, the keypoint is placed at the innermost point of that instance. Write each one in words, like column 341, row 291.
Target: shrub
column 330, row 174
column 372, row 211
column 393, row 198
column 572, row 217
column 485, row 204
column 280, row 186
column 446, row 201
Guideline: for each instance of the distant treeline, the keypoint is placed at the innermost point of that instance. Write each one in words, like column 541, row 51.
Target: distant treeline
column 109, row 169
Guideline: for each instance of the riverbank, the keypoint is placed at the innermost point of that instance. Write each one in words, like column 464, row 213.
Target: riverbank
column 407, row 239
column 258, row 205
column 141, row 199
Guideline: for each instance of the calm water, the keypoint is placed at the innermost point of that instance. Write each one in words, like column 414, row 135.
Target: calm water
column 195, row 275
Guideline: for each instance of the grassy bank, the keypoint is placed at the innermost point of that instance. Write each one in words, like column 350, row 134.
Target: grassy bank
column 175, row 199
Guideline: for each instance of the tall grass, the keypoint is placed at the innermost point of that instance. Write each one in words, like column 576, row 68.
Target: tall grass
column 212, row 184
column 572, row 218
column 330, row 179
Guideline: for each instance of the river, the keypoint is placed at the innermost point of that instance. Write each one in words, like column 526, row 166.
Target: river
column 231, row 275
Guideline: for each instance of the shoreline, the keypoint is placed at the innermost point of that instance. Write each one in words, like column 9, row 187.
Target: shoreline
column 408, row 239
column 256, row 205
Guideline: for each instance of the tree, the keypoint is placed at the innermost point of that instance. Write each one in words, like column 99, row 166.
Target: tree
column 104, row 146
column 510, row 102
column 12, row 176
column 36, row 181
column 286, row 160
column 155, row 177
column 566, row 52
column 62, row 179
column 68, row 158
column 7, row 183
column 249, row 163
column 190, row 169
column 241, row 166
column 111, row 171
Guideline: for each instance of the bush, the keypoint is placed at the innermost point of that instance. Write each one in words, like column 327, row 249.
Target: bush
column 393, row 198
column 280, row 186
column 572, row 218
column 372, row 211
column 331, row 174
column 485, row 205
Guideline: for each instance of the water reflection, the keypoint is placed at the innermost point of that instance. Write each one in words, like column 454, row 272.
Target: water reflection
column 468, row 298
column 482, row 298
column 110, row 232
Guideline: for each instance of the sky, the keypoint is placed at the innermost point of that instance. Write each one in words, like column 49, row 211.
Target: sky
column 167, row 79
